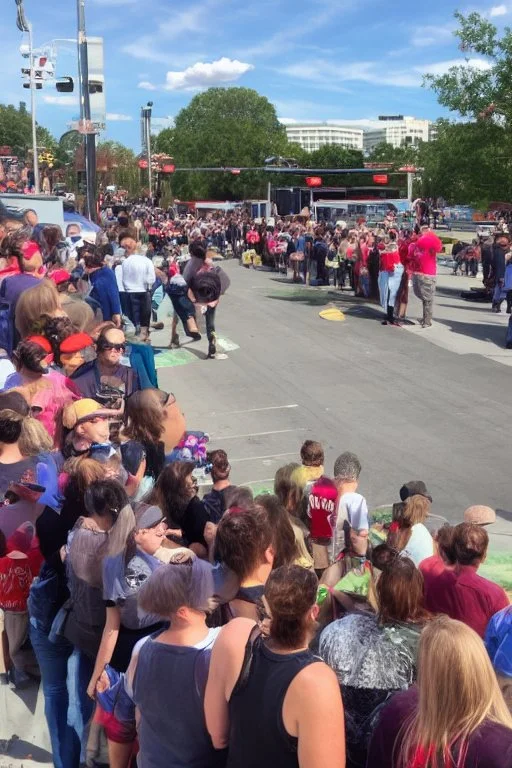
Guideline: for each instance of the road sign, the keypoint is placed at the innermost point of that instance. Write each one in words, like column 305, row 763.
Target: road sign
column 84, row 126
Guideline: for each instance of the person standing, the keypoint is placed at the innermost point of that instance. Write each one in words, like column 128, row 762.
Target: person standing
column 104, row 286
column 138, row 276
column 292, row 696
column 425, row 274
column 498, row 264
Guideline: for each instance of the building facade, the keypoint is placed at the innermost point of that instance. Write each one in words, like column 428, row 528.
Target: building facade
column 398, row 131
column 312, row 136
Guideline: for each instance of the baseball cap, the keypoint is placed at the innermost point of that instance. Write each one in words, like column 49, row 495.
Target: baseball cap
column 414, row 488
column 75, row 342
column 479, row 514
column 83, row 410
column 148, row 517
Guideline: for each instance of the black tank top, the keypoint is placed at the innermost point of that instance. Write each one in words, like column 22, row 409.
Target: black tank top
column 258, row 737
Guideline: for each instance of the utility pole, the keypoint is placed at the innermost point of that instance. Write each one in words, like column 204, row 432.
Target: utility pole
column 85, row 115
column 146, row 141
column 25, row 26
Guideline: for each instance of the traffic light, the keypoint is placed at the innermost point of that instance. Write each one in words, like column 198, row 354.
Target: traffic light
column 65, row 85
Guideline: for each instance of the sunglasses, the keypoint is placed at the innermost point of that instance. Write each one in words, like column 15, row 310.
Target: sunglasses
column 117, row 347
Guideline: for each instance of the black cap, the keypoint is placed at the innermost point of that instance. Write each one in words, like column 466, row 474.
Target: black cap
column 414, row 488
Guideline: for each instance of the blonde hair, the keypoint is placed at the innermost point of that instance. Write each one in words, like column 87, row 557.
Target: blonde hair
column 34, row 438
column 458, row 690
column 42, row 299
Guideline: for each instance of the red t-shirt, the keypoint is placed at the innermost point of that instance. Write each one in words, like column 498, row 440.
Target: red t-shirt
column 322, row 508
column 388, row 260
column 433, row 566
column 464, row 595
column 15, row 580
column 429, row 245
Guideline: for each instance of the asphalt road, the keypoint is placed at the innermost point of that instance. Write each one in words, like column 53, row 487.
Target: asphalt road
column 408, row 404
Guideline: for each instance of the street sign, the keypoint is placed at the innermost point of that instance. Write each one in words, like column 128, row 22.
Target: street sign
column 84, row 126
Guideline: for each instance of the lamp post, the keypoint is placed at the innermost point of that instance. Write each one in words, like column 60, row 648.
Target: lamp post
column 85, row 115
column 25, row 26
column 145, row 114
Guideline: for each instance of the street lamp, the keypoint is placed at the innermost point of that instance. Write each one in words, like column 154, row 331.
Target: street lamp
column 145, row 114
column 85, row 115
column 25, row 26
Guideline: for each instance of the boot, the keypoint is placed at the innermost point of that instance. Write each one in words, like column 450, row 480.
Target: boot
column 212, row 347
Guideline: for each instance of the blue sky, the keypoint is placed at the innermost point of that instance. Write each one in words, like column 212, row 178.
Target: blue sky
column 342, row 60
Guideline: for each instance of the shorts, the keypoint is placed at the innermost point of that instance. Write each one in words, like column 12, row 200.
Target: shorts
column 116, row 731
column 320, row 549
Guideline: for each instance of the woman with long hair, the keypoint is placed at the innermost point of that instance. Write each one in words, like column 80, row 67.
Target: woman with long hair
column 175, row 492
column 455, row 717
column 123, row 576
column 144, row 416
column 103, row 533
column 290, row 495
column 375, row 655
column 271, row 701
column 408, row 533
column 284, row 544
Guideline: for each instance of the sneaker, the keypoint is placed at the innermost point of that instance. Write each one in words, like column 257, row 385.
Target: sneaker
column 212, row 349
column 194, row 336
column 157, row 326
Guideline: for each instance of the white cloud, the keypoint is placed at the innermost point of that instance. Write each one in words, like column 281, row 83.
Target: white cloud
column 61, row 101
column 426, row 36
column 203, row 75
column 442, row 67
column 358, row 71
column 119, row 118
column 147, row 86
column 498, row 10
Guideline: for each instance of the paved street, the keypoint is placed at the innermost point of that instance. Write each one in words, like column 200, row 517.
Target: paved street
column 412, row 404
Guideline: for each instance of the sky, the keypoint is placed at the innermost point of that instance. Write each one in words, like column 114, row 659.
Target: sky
column 315, row 60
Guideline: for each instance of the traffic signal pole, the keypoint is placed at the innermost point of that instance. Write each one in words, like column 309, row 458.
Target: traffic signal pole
column 25, row 26
column 85, row 115
column 37, row 182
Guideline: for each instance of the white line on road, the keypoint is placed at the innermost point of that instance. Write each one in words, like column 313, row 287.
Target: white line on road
column 271, row 456
column 258, row 434
column 255, row 410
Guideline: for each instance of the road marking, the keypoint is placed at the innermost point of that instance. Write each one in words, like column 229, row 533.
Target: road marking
column 270, row 456
column 172, row 358
column 258, row 434
column 255, row 410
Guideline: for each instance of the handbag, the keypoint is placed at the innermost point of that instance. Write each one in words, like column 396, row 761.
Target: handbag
column 297, row 256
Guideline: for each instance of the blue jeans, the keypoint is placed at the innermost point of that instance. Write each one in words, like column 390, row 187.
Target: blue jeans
column 81, row 707
column 183, row 307
column 53, row 663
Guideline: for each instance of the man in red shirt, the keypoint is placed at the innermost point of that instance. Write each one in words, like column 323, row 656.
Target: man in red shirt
column 425, row 272
column 459, row 591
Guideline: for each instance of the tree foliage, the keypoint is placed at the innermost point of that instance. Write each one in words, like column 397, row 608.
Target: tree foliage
column 399, row 156
column 223, row 127
column 479, row 91
column 471, row 162
column 16, row 131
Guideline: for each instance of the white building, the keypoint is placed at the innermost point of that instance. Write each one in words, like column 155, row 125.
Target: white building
column 312, row 136
column 398, row 131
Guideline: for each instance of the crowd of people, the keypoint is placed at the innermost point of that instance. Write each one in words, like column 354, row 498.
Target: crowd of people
column 176, row 628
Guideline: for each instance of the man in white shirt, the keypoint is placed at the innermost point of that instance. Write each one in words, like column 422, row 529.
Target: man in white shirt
column 138, row 276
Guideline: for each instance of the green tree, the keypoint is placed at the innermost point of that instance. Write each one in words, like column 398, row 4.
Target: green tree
column 164, row 142
column 16, row 131
column 467, row 164
column 473, row 91
column 470, row 162
column 117, row 165
column 387, row 153
column 224, row 127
